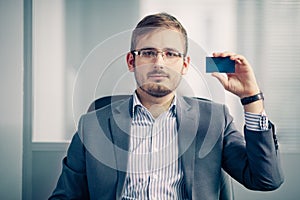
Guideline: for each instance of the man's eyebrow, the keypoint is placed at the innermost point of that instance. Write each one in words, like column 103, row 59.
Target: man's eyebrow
column 171, row 49
column 148, row 48
column 164, row 49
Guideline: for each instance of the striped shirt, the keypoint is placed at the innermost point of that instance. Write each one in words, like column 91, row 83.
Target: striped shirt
column 154, row 169
column 256, row 122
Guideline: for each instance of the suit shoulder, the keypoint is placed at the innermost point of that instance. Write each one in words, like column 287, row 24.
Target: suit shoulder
column 202, row 101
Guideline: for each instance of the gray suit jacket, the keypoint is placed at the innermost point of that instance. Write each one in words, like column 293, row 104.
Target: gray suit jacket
column 95, row 166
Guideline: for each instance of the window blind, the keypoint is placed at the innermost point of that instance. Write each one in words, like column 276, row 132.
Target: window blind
column 271, row 36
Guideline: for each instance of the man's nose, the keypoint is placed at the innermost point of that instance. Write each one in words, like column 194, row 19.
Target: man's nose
column 159, row 59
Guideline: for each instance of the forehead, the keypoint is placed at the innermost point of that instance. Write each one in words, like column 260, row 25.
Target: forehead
column 161, row 39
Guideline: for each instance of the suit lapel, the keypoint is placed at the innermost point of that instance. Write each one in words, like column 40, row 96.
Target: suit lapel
column 120, row 124
column 187, row 120
column 199, row 131
column 193, row 130
column 120, row 128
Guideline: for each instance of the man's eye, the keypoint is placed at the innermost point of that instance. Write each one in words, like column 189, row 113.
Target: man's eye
column 171, row 54
column 148, row 53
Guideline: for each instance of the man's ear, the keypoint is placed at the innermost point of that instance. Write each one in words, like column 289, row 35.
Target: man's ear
column 186, row 64
column 130, row 62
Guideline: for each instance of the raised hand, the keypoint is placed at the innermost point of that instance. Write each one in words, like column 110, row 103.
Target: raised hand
column 241, row 83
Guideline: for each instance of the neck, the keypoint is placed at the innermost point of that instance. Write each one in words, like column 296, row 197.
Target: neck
column 155, row 105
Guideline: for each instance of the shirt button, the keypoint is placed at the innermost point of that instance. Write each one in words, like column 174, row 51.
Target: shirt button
column 154, row 176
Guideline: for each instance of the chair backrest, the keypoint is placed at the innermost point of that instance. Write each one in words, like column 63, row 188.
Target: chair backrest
column 104, row 101
column 226, row 186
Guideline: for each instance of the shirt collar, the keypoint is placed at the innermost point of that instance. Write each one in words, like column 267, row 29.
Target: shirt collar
column 137, row 103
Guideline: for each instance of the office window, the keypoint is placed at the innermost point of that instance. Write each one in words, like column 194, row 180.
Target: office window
column 282, row 50
column 269, row 33
column 49, row 71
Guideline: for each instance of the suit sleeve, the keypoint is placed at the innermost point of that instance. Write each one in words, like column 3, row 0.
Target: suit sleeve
column 72, row 183
column 252, row 159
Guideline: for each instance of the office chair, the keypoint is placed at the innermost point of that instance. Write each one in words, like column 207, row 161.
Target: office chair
column 226, row 186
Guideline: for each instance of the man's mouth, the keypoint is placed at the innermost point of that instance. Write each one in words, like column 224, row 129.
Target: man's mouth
column 158, row 77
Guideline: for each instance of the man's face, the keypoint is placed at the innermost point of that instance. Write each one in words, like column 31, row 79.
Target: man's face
column 159, row 75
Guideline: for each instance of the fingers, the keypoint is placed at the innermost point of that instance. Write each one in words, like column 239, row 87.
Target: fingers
column 233, row 56
column 239, row 59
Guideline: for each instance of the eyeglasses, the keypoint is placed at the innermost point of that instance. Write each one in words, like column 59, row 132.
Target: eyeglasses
column 148, row 54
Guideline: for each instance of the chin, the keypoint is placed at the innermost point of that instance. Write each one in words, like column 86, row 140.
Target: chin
column 156, row 90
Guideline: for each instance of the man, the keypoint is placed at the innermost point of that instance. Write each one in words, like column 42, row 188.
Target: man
column 159, row 145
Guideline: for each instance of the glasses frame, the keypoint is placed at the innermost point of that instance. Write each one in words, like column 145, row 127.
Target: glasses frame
column 137, row 52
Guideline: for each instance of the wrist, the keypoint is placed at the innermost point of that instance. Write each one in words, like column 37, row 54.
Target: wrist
column 254, row 103
column 252, row 98
column 256, row 107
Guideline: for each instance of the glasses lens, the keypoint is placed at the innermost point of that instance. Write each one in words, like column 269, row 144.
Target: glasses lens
column 172, row 54
column 148, row 55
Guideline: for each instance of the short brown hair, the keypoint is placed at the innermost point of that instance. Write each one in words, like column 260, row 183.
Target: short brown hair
column 155, row 21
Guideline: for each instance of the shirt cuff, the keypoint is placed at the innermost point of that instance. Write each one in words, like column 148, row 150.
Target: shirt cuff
column 256, row 122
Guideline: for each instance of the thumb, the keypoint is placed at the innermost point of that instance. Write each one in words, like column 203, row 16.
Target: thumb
column 222, row 78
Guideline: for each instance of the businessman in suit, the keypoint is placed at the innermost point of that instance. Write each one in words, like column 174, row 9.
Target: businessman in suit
column 159, row 145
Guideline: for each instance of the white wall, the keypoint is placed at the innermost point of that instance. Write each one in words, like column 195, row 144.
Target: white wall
column 11, row 90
